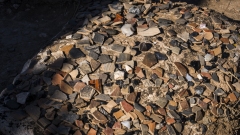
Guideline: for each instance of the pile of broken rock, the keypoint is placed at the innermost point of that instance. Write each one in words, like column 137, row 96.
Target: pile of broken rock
column 139, row 67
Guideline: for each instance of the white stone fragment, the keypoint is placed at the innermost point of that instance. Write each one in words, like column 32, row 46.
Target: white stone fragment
column 119, row 75
column 127, row 29
column 208, row 57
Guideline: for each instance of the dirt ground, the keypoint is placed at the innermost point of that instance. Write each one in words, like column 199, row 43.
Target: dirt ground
column 25, row 28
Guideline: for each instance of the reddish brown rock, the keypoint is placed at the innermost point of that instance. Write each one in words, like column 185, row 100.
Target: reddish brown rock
column 181, row 68
column 108, row 131
column 170, row 120
column 92, row 132
column 57, row 79
column 158, row 71
column 131, row 97
column 97, row 84
column 126, row 106
column 64, row 87
column 232, row 97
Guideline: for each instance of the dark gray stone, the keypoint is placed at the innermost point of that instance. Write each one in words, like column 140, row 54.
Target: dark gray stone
column 117, row 48
column 104, row 59
column 44, row 122
column 12, row 104
column 171, row 130
column 76, row 36
column 139, row 107
column 93, row 55
column 103, row 97
column 215, row 77
column 87, row 92
column 181, row 21
column 59, row 96
column 33, row 111
column 111, row 31
column 76, row 53
column 62, row 130
column 123, row 57
column 98, row 38
column 162, row 101
column 70, row 117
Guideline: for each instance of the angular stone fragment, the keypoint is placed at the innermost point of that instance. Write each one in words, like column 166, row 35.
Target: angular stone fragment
column 232, row 97
column 76, row 53
column 104, row 59
column 98, row 38
column 103, row 97
column 127, row 29
column 144, row 129
column 57, row 79
column 92, row 132
column 64, row 87
column 156, row 118
column 85, row 67
column 98, row 115
column 181, row 69
column 126, row 124
column 126, row 106
column 33, row 111
column 119, row 75
column 94, row 64
column 22, row 97
column 59, row 96
column 131, row 97
column 117, row 48
column 149, row 60
column 152, row 31
column 44, row 122
column 78, row 86
column 162, row 102
column 171, row 130
column 70, row 117
column 67, row 67
column 87, row 92
column 123, row 57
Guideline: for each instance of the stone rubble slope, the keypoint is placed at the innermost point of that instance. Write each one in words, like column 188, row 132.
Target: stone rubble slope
column 137, row 67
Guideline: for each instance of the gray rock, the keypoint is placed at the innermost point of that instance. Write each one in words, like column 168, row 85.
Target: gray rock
column 59, row 96
column 85, row 67
column 63, row 130
column 139, row 107
column 22, row 97
column 44, row 122
column 162, row 102
column 87, row 92
column 76, row 53
column 171, row 130
column 173, row 114
column 103, row 97
column 39, row 68
column 178, row 127
column 33, row 111
column 123, row 57
column 72, row 97
column 117, row 48
column 93, row 55
column 181, row 21
column 70, row 117
column 104, row 59
column 98, row 38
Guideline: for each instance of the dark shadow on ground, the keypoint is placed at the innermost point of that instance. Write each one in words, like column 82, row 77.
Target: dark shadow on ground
column 25, row 28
